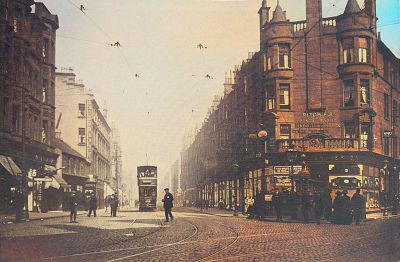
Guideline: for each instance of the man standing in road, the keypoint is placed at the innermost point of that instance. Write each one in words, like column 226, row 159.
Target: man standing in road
column 73, row 206
column 168, row 204
column 114, row 202
column 358, row 204
column 277, row 203
column 92, row 205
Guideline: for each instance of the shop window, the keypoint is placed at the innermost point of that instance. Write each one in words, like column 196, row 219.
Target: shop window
column 349, row 93
column 365, row 136
column 349, row 130
column 82, row 109
column 348, row 50
column 386, row 106
column 363, row 50
column 284, row 56
column 285, row 131
column 82, row 136
column 364, row 92
column 284, row 96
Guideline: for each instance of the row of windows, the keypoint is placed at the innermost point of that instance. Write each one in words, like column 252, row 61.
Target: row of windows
column 350, row 93
column 349, row 131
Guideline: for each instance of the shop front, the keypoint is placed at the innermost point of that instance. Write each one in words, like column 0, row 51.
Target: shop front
column 10, row 179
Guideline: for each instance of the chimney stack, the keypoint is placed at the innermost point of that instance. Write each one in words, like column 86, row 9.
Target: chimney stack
column 313, row 12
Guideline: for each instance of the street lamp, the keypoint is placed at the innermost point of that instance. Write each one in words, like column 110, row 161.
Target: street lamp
column 236, row 168
column 291, row 154
column 263, row 136
column 385, row 193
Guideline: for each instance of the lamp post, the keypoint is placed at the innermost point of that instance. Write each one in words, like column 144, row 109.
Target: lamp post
column 236, row 168
column 291, row 154
column 263, row 136
column 385, row 191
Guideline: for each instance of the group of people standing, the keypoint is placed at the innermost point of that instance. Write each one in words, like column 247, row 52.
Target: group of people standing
column 345, row 209
column 113, row 202
column 340, row 211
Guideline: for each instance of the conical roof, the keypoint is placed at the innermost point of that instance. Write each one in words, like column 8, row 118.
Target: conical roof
column 352, row 7
column 279, row 14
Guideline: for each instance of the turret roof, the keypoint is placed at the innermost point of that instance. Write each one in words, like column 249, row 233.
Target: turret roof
column 352, row 7
column 279, row 14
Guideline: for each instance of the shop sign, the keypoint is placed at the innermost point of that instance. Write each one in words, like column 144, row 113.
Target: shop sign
column 282, row 181
column 388, row 134
column 43, row 179
column 316, row 121
column 286, row 170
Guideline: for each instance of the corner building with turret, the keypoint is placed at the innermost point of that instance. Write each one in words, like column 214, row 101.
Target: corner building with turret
column 326, row 90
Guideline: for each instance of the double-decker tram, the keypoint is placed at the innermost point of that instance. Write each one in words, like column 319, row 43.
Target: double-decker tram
column 147, row 182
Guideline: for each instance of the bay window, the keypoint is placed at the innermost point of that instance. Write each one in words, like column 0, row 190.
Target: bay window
column 349, row 93
column 284, row 56
column 284, row 96
column 347, row 50
column 363, row 50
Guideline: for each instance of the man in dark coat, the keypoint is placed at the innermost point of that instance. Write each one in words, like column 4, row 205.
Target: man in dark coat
column 92, row 205
column 318, row 205
column 73, row 206
column 338, row 209
column 168, row 204
column 358, row 204
column 114, row 205
column 277, row 203
column 347, row 217
column 305, row 206
column 327, row 199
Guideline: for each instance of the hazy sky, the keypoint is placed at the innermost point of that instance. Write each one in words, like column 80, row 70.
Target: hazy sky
column 158, row 39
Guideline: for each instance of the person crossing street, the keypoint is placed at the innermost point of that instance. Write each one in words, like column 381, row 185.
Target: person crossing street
column 168, row 204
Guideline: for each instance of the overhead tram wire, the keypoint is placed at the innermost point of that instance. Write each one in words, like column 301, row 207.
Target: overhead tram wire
column 105, row 33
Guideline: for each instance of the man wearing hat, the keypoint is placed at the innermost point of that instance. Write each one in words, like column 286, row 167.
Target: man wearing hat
column 73, row 206
column 168, row 204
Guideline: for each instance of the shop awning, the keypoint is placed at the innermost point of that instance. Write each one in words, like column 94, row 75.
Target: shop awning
column 53, row 183
column 10, row 165
column 61, row 181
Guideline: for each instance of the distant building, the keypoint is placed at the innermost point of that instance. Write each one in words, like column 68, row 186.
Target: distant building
column 72, row 175
column 82, row 125
column 27, row 97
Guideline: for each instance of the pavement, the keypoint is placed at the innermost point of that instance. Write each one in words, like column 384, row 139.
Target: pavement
column 10, row 219
column 286, row 219
column 195, row 236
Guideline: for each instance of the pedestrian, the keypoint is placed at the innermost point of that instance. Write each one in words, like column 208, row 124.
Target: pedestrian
column 92, row 205
column 318, row 205
column 358, row 204
column 277, row 204
column 395, row 204
column 168, row 204
column 327, row 202
column 114, row 205
column 347, row 217
column 384, row 202
column 338, row 209
column 73, row 206
column 305, row 206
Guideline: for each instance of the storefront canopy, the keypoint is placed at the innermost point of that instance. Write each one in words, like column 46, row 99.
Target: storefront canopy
column 10, row 165
column 61, row 181
column 53, row 183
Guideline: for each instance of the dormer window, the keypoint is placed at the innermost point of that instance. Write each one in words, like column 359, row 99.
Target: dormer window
column 284, row 56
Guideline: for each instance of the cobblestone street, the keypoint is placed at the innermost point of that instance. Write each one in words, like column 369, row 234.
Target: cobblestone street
column 192, row 236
